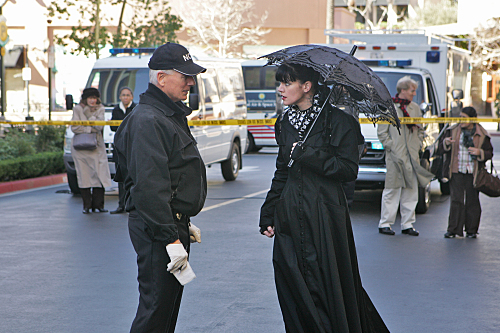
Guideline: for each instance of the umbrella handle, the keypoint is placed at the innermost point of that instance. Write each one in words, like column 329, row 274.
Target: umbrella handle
column 299, row 144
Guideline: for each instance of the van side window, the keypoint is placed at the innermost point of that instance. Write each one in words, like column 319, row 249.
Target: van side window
column 270, row 77
column 211, row 91
column 231, row 85
column 252, row 77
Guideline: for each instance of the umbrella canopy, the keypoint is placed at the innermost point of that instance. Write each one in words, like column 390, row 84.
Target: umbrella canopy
column 354, row 85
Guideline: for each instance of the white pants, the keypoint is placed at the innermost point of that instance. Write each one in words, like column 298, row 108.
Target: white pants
column 404, row 198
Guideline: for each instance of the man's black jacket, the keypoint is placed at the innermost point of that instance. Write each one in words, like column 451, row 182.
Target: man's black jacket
column 160, row 164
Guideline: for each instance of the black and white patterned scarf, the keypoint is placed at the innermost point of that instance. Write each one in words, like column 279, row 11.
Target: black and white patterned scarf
column 301, row 120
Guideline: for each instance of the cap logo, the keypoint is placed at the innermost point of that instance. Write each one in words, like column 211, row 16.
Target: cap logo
column 187, row 57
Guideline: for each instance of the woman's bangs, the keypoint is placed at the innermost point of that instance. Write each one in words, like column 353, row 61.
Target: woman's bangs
column 285, row 74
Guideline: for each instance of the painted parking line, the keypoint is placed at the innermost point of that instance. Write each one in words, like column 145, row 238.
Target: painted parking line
column 234, row 200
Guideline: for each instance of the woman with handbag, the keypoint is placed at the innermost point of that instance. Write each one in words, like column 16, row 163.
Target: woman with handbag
column 466, row 149
column 89, row 152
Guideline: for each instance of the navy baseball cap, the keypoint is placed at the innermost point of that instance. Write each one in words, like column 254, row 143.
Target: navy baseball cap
column 174, row 56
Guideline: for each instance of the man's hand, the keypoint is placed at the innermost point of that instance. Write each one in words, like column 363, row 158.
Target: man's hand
column 194, row 233
column 178, row 257
column 269, row 232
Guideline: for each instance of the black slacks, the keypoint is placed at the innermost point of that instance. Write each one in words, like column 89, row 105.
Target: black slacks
column 93, row 197
column 160, row 292
column 465, row 208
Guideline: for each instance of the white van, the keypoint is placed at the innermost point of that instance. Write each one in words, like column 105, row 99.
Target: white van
column 219, row 94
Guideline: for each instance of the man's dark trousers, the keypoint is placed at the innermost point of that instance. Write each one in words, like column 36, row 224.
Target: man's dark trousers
column 121, row 195
column 160, row 292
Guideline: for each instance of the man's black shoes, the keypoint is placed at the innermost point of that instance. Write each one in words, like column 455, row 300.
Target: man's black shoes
column 449, row 235
column 410, row 231
column 386, row 231
column 471, row 235
column 119, row 210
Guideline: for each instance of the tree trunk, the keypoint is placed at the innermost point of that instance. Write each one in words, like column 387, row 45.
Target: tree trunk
column 97, row 29
column 330, row 12
column 118, row 39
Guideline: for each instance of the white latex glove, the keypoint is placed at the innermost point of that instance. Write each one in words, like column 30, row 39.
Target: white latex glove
column 178, row 257
column 194, row 233
column 185, row 275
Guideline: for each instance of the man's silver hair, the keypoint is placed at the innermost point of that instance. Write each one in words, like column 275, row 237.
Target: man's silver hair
column 405, row 83
column 153, row 74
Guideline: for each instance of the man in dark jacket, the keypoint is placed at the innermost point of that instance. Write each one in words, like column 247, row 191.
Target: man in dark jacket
column 119, row 113
column 165, row 184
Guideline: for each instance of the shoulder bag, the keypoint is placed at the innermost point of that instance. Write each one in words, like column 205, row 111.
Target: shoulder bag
column 487, row 183
column 85, row 141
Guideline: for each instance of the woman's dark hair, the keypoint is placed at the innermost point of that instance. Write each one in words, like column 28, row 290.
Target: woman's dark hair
column 290, row 73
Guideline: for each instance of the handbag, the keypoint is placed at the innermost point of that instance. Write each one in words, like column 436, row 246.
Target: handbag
column 85, row 141
column 487, row 183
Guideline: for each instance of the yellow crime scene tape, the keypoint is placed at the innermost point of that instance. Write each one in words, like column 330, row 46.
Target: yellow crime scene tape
column 270, row 121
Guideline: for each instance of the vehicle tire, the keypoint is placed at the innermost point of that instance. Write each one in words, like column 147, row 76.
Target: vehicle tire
column 445, row 188
column 252, row 148
column 424, row 199
column 231, row 167
column 73, row 183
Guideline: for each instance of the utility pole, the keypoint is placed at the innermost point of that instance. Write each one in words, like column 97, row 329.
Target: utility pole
column 97, row 29
column 330, row 13
column 51, row 65
column 4, row 38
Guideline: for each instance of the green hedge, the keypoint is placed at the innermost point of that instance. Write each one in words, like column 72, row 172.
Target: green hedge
column 37, row 165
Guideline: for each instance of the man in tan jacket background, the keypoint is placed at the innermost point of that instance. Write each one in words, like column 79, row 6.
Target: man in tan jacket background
column 404, row 173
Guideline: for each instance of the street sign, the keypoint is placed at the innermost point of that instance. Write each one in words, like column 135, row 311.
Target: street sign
column 26, row 73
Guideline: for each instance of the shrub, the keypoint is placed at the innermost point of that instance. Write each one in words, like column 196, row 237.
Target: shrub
column 31, row 166
column 17, row 144
column 25, row 155
column 50, row 138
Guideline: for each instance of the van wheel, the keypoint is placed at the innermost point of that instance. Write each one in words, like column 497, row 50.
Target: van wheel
column 424, row 199
column 73, row 183
column 231, row 167
column 252, row 148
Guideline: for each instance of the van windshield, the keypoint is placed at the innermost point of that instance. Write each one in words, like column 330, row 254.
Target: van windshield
column 260, row 87
column 109, row 82
column 391, row 79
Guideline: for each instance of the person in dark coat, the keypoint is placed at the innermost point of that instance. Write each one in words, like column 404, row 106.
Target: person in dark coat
column 314, row 257
column 467, row 147
column 119, row 113
column 165, row 184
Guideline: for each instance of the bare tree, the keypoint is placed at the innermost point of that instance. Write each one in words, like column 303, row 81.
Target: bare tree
column 388, row 18
column 485, row 46
column 221, row 26
column 443, row 12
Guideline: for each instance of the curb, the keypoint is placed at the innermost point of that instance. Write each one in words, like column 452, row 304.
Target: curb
column 27, row 184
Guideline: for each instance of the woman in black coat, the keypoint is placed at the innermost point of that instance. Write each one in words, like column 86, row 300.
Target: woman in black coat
column 314, row 257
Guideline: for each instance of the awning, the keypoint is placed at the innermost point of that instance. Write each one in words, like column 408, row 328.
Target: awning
column 14, row 58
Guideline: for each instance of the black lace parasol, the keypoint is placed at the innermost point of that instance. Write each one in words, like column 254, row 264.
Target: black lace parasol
column 354, row 85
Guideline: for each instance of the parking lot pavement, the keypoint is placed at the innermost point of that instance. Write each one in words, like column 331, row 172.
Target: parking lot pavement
column 62, row 271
